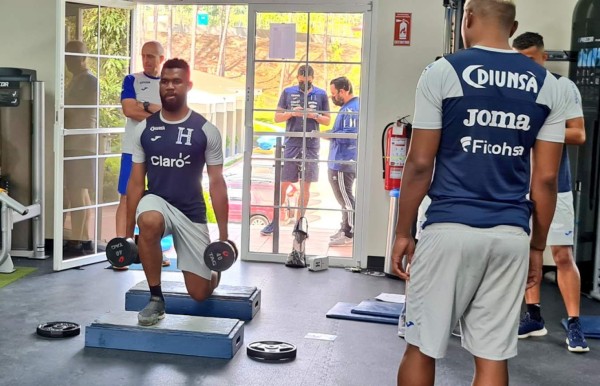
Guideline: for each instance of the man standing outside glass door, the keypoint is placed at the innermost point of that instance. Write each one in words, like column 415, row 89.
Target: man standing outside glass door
column 303, row 108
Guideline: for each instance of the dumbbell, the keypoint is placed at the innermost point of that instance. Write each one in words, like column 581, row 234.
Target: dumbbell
column 220, row 255
column 122, row 252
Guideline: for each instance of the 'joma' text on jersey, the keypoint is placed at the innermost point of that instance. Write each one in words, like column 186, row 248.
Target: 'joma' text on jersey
column 497, row 119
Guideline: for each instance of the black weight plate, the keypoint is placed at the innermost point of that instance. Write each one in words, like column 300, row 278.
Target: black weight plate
column 58, row 329
column 271, row 351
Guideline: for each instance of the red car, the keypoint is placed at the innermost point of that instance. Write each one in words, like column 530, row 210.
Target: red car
column 261, row 200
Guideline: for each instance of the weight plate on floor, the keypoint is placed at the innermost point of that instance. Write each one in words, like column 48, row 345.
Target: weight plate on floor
column 58, row 329
column 271, row 351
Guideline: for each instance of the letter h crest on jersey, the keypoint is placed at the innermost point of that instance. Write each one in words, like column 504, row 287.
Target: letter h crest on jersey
column 187, row 136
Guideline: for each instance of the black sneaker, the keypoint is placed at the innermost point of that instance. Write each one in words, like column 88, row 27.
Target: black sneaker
column 153, row 312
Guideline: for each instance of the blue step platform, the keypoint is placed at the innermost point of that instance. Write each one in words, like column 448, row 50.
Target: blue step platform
column 175, row 334
column 226, row 301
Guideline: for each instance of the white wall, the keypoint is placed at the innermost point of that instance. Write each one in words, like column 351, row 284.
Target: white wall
column 397, row 70
column 28, row 30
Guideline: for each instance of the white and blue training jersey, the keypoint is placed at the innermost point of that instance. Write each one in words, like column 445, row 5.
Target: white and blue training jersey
column 142, row 88
column 491, row 105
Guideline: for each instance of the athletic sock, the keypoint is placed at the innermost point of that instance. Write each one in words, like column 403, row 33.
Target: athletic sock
column 534, row 311
column 572, row 319
column 156, row 291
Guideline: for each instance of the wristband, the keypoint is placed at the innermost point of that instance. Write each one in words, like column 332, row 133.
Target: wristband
column 146, row 105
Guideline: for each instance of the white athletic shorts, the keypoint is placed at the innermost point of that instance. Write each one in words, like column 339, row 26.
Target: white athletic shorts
column 474, row 275
column 189, row 238
column 421, row 217
column 563, row 222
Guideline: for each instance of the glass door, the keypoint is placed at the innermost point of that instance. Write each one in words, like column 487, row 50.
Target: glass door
column 305, row 66
column 95, row 57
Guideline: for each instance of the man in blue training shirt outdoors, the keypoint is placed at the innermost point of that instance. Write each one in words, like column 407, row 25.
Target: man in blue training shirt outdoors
column 342, row 174
column 171, row 148
column 491, row 123
column 560, row 236
column 303, row 108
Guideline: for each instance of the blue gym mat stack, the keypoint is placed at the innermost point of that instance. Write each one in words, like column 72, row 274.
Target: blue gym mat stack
column 213, row 328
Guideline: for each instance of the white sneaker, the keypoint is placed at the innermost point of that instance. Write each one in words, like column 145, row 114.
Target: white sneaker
column 336, row 235
column 340, row 241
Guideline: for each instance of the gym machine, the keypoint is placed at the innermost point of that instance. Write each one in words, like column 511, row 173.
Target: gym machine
column 585, row 72
column 21, row 166
column 452, row 22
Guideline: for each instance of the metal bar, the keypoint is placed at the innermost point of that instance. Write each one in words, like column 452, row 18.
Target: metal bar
column 277, row 195
column 38, row 154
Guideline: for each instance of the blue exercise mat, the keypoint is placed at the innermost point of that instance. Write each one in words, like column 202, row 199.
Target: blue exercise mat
column 589, row 324
column 379, row 308
column 344, row 311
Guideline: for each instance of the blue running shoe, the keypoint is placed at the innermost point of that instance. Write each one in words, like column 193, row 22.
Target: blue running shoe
column 267, row 230
column 575, row 340
column 531, row 327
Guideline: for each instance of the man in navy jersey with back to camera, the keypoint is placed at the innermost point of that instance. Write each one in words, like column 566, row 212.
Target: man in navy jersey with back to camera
column 171, row 148
column 491, row 123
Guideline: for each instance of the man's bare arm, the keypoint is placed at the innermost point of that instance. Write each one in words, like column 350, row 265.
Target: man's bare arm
column 219, row 198
column 544, row 186
column 575, row 133
column 416, row 178
column 135, row 191
column 134, row 109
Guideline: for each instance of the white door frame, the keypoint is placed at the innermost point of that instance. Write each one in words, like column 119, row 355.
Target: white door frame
column 59, row 134
column 360, row 245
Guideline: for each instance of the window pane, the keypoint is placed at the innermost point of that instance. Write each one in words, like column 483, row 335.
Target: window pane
column 112, row 72
column 114, row 31
column 108, row 173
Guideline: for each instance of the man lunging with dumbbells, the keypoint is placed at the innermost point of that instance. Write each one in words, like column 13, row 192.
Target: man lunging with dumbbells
column 171, row 148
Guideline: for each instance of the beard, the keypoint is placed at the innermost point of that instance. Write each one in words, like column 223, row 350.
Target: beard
column 337, row 102
column 174, row 104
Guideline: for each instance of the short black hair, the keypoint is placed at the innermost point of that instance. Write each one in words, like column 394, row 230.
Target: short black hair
column 528, row 40
column 342, row 83
column 178, row 63
column 306, row 70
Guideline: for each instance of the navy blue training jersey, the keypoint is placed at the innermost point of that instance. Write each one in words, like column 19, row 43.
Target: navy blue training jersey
column 175, row 154
column 293, row 97
column 491, row 105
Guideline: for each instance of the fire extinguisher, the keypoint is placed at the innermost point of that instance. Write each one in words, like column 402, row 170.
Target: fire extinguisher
column 394, row 147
